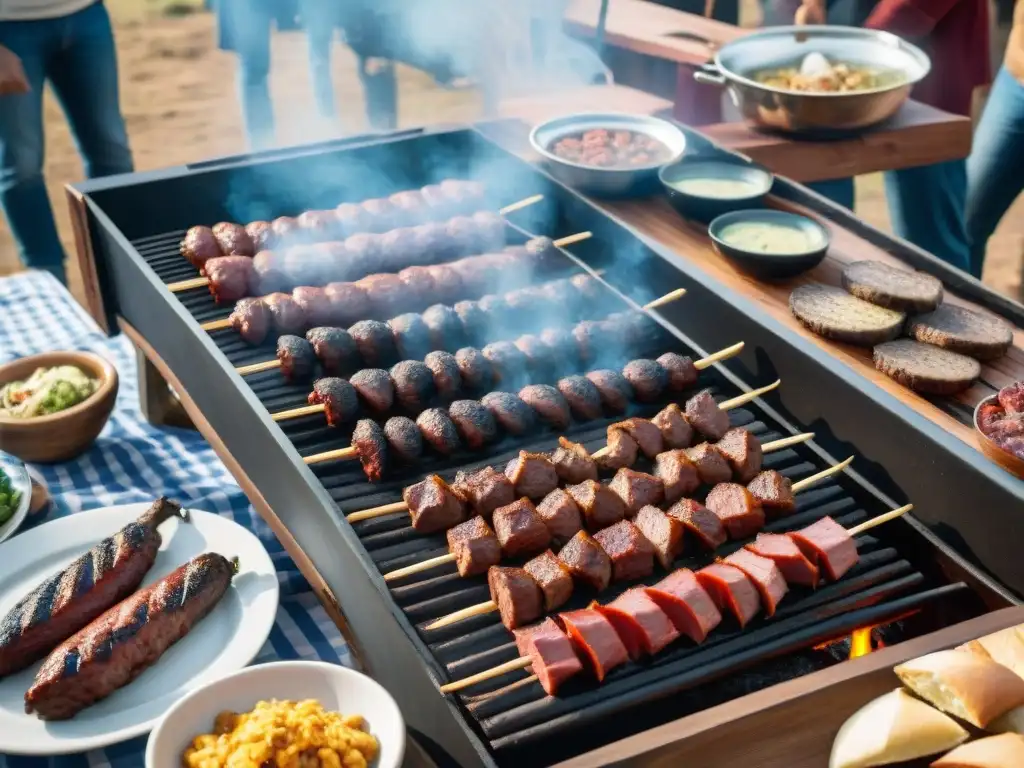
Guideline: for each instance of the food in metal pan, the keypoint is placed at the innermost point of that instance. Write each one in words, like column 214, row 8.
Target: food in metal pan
column 46, row 391
column 833, row 77
column 611, row 149
column 1003, row 420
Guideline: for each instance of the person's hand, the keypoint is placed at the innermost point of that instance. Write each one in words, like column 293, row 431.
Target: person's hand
column 12, row 74
column 810, row 12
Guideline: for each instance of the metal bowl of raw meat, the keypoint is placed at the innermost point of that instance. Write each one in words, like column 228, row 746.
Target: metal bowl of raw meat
column 996, row 442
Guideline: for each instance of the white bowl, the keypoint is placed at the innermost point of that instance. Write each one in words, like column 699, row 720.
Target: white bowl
column 338, row 688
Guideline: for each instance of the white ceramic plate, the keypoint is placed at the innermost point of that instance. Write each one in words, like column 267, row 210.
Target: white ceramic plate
column 225, row 641
column 22, row 483
column 337, row 688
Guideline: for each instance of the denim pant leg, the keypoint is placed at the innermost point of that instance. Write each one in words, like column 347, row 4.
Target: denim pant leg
column 839, row 191
column 320, row 19
column 250, row 27
column 995, row 168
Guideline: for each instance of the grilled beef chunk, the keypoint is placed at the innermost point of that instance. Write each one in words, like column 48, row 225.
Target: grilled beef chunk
column 200, row 245
column 387, row 295
column 711, row 465
column 636, row 489
column 621, row 450
column 678, row 474
column 315, row 306
column 233, row 239
column 486, row 489
column 563, row 346
column 433, row 505
column 474, row 423
column 676, row 431
column 687, row 604
column 829, row 546
column 587, row 562
column 616, row 393
column 251, row 319
column 631, row 554
column 448, row 285
column 700, row 521
column 552, row 577
column 286, row 315
column 743, row 452
column 521, row 531
column 404, row 439
column 233, row 278
column 339, row 398
column 553, row 658
column 643, row 627
column 738, row 510
column 349, row 301
column 665, row 533
column 412, row 336
column 764, row 574
column 582, row 396
column 438, row 430
column 507, row 362
column 474, row 368
column 795, row 566
column 372, row 448
column 682, row 373
column 514, row 416
column 519, row 599
column 374, row 341
column 548, row 403
column 542, row 359
column 474, row 545
column 496, row 309
column 445, row 326
column 572, row 462
column 706, row 417
column 375, row 389
column 414, row 385
column 560, row 515
column 590, row 339
column 533, row 474
column 445, row 370
column 773, row 492
column 335, row 349
column 646, row 434
column 599, row 504
column 298, row 362
column 648, row 379
column 732, row 591
column 261, row 234
column 596, row 642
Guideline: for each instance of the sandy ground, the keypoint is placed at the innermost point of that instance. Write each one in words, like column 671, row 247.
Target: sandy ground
column 179, row 102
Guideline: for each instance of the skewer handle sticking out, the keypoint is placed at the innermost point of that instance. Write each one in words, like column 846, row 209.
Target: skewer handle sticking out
column 524, row 203
column 509, row 666
column 187, row 285
column 216, row 325
column 386, row 509
column 294, row 413
column 748, row 396
column 579, row 237
column 338, row 454
column 719, row 356
column 668, row 298
column 426, row 565
column 266, row 365
column 807, row 482
column 867, row 525
column 786, row 442
column 480, row 609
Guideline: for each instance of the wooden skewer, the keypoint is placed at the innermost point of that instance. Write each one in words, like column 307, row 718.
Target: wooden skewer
column 524, row 662
column 266, row 365
column 666, row 299
column 807, row 482
column 524, row 203
column 219, row 325
column 426, row 565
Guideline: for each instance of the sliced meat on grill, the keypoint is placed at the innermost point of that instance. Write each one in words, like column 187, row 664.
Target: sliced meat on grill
column 474, row 368
column 596, row 642
column 711, row 465
column 552, row 577
column 414, row 385
column 514, row 416
column 700, row 521
column 433, row 505
column 520, row 529
column 438, row 430
column 374, row 341
column 646, row 434
column 375, row 389
column 474, row 546
column 631, row 553
column 666, row 534
column 636, row 489
column 404, row 439
column 507, row 362
column 233, row 239
column 445, row 326
column 780, row 548
column 553, row 658
column 445, row 370
column 412, row 337
column 682, row 373
column 743, row 452
column 829, row 546
column 372, row 448
column 519, row 599
column 706, row 417
column 339, row 398
column 648, row 379
column 678, row 474
column 286, row 315
column 687, row 604
column 251, row 319
column 572, row 462
column 298, row 361
column 738, row 510
column 474, row 423
column 485, row 490
column 548, row 403
column 533, row 475
column 199, row 246
column 600, row 505
column 621, row 450
column 587, row 561
column 765, row 575
column 773, row 491
column 561, row 515
column 676, row 431
column 732, row 591
column 335, row 350
column 582, row 396
column 542, row 359
column 616, row 393
column 642, row 626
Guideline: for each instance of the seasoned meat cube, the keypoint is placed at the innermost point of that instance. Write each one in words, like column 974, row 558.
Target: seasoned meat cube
column 514, row 416
column 587, row 561
column 199, row 246
column 285, row 314
column 648, row 379
column 412, row 337
column 631, row 554
column 447, row 282
column 829, row 546
column 582, row 396
column 375, row 389
column 646, row 434
column 251, row 319
column 596, row 642
column 507, row 362
column 621, row 450
column 339, row 398
column 552, row 577
column 315, row 305
column 283, row 226
column 765, row 575
column 335, row 350
column 349, row 302
column 636, row 489
column 663, row 532
column 548, row 403
column 743, row 452
column 374, row 341
column 473, row 422
column 590, row 339
column 533, row 474
column 572, row 462
column 616, row 393
column 706, row 417
column 731, row 590
column 438, row 430
column 520, row 529
column 676, row 431
column 322, row 224
column 773, row 492
column 782, row 550
column 260, row 233
column 738, row 510
column 433, row 505
column 540, row 358
column 404, row 439
column 445, row 370
column 474, row 368
column 474, row 545
column 600, row 505
column 687, row 604
column 386, row 293
column 233, row 239
column 445, row 326
column 560, row 515
column 519, row 599
column 497, row 311
column 682, row 374
column 642, row 625
column 298, row 361
column 475, row 322
column 711, row 464
column 371, row 448
column 414, row 385
column 700, row 521
column 485, row 490
column 563, row 345
column 678, row 474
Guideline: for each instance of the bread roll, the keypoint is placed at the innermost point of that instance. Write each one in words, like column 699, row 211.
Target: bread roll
column 1011, row 722
column 1005, row 647
column 967, row 685
column 1004, row 751
column 893, row 728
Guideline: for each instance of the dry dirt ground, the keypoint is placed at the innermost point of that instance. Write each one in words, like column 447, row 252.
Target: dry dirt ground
column 179, row 101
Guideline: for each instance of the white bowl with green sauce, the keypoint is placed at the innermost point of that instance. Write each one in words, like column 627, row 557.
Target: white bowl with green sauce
column 15, row 495
column 770, row 244
column 704, row 189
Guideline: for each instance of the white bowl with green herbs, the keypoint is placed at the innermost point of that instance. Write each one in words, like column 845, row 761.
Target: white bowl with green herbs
column 15, row 496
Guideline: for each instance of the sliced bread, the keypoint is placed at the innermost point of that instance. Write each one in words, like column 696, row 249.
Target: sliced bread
column 891, row 287
column 1005, row 751
column 925, row 368
column 835, row 314
column 962, row 330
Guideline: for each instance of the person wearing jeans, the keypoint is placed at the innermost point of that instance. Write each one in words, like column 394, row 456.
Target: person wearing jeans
column 70, row 45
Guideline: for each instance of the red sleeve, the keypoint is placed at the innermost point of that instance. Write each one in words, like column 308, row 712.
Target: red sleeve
column 908, row 18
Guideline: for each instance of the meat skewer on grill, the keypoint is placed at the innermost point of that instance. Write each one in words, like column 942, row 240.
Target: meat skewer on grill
column 622, row 551
column 645, row 620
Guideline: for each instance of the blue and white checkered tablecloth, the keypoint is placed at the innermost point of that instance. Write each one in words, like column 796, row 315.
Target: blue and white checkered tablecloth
column 135, row 462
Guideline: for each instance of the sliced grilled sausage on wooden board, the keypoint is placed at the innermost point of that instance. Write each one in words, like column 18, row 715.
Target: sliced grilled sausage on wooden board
column 122, row 643
column 69, row 600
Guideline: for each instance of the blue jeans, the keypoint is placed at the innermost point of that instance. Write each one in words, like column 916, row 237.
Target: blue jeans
column 75, row 55
column 995, row 169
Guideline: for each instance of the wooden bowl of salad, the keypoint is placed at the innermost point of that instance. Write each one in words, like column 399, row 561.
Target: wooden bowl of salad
column 54, row 405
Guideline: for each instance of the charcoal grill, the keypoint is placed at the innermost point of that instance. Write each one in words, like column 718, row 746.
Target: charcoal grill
column 128, row 231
